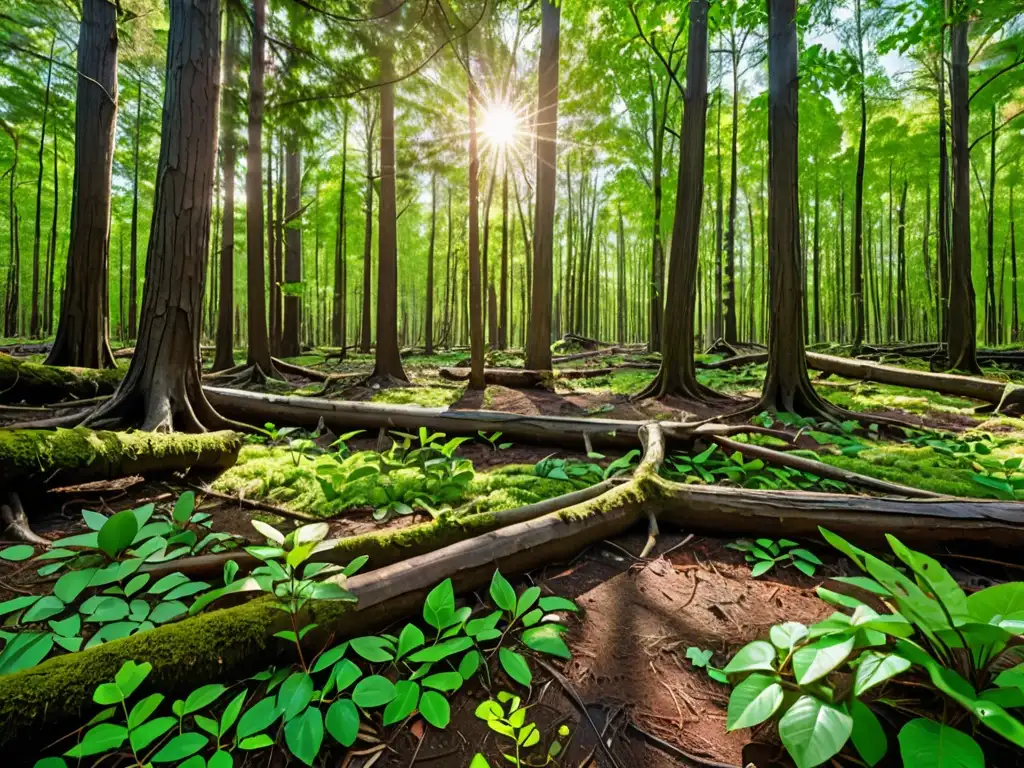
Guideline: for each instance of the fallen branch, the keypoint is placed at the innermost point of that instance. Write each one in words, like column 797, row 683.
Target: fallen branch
column 819, row 468
column 22, row 381
column 260, row 505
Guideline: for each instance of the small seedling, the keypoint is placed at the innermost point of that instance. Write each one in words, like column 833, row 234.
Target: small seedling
column 492, row 439
column 701, row 659
column 765, row 553
column 511, row 723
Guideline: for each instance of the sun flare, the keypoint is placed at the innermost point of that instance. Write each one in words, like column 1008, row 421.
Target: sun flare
column 500, row 125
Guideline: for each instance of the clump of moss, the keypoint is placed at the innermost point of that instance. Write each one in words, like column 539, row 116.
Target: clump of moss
column 36, row 384
column 871, row 396
column 516, row 485
column 425, row 397
column 917, row 467
column 624, row 382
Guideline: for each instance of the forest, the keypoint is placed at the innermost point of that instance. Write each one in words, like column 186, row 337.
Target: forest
column 462, row 383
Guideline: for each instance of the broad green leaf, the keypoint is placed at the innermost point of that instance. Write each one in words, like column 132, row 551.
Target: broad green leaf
column 813, row 731
column 874, row 668
column 554, row 603
column 131, row 675
column 1002, row 604
column 329, row 657
column 814, row 661
column 100, row 738
column 346, row 673
column 257, row 718
column 868, row 736
column 786, row 636
column 410, row 638
column 442, row 650
column 304, row 734
column 43, row 609
column 515, row 666
column 373, row 691
column 68, row 627
column 753, row 701
column 295, row 694
column 117, row 533
column 925, row 742
column 203, row 697
column 758, row 655
column 181, row 746
column 373, row 648
column 145, row 734
column 220, row 759
column 439, row 605
column 269, row 532
column 407, row 696
column 444, row 681
column 17, row 553
column 342, row 722
column 143, row 709
column 435, row 709
column 230, row 713
column 502, row 593
column 184, row 507
column 527, row 600
column 469, row 664
column 547, row 638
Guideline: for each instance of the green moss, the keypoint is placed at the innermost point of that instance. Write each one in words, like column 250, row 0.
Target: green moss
column 426, row 397
column 514, row 486
column 624, row 382
column 81, row 453
column 24, row 381
column 871, row 396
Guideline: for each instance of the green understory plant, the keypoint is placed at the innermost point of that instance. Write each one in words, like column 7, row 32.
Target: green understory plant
column 908, row 638
column 506, row 716
column 102, row 594
column 701, row 659
column 492, row 440
column 765, row 554
column 371, row 681
column 573, row 469
column 712, row 466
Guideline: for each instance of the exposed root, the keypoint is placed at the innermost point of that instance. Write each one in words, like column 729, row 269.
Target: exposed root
column 300, row 370
column 15, row 521
column 652, row 535
column 260, row 505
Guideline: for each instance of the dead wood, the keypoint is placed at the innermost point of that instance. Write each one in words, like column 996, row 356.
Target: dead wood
column 15, row 521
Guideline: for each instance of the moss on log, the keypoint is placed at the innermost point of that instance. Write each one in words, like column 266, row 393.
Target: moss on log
column 36, row 384
column 78, row 455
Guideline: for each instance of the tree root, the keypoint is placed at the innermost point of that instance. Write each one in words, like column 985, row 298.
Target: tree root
column 13, row 516
column 260, row 505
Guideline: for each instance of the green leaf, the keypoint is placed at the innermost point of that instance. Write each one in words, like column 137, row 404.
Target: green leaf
column 1002, row 604
column 220, row 759
column 258, row 717
column 761, row 567
column 373, row 648
column 756, row 656
column 547, row 639
column 304, row 734
column 554, row 603
column 256, row 742
column 184, row 507
column 329, row 657
column 469, row 664
column 295, row 694
column 230, row 713
column 142, row 710
column 373, row 691
column 100, row 738
column 515, row 666
column 502, row 593
column 813, row 731
column 439, row 605
column 117, row 533
column 786, row 636
column 925, row 742
column 868, row 736
column 17, row 553
column 407, row 696
column 442, row 650
column 68, row 627
column 814, row 661
column 44, row 608
column 131, row 675
column 753, row 701
column 269, row 532
column 345, row 674
column 144, row 735
column 167, row 611
column 479, row 761
column 435, row 709
column 17, row 603
column 526, row 600
column 410, row 638
column 444, row 681
column 342, row 722
column 202, row 697
column 874, row 668
column 181, row 746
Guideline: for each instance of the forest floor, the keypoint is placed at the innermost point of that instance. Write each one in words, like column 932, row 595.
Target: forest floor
column 639, row 646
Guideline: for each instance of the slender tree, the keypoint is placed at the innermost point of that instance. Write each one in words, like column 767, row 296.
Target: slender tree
column 339, row 331
column 35, row 321
column 82, row 335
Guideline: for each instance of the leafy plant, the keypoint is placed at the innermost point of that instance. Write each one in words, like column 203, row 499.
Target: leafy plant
column 701, row 659
column 566, row 469
column 821, row 682
column 511, row 723
column 712, row 466
column 765, row 554
column 492, row 440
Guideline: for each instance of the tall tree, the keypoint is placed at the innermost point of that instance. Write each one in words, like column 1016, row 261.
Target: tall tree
column 428, row 333
column 538, row 343
column 339, row 330
column 476, row 309
column 162, row 390
column 82, row 334
column 224, row 353
column 35, row 322
column 291, row 288
column 677, row 374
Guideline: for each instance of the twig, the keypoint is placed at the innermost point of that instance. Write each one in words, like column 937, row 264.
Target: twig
column 252, row 504
column 675, row 751
column 674, row 547
column 652, row 535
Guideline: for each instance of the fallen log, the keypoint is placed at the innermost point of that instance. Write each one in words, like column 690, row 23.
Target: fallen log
column 596, row 353
column 1007, row 396
column 734, row 362
column 525, row 378
column 81, row 455
column 36, row 384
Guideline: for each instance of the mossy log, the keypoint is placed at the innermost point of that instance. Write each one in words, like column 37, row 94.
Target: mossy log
column 80, row 455
column 525, row 378
column 22, row 381
column 231, row 643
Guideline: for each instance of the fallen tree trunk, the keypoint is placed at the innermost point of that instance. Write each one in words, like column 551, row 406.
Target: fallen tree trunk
column 81, row 455
column 525, row 378
column 734, row 362
column 35, row 384
column 595, row 353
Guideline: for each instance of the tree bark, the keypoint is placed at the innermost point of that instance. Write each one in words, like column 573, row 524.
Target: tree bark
column 538, row 344
column 369, row 120
column 961, row 335
column 51, row 246
column 678, row 375
column 162, row 390
column 429, row 324
column 1015, row 322
column 224, row 354
column 339, row 317
column 476, row 308
column 133, row 298
column 35, row 321
column 991, row 330
column 857, row 257
column 82, row 336
column 388, row 361
column 291, row 345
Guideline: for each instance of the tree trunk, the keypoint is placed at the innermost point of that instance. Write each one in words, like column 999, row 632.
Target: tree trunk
column 719, row 288
column 677, row 375
column 538, row 345
column 35, row 321
column 504, row 297
column 991, row 333
column 857, row 257
column 339, row 334
column 162, row 390
column 51, row 246
column 82, row 336
column 276, row 294
column 1015, row 314
column 369, row 119
column 476, row 309
column 291, row 345
column 388, row 361
column 133, row 298
column 816, row 266
column 943, row 218
column 258, row 354
column 224, row 354
column 902, row 329
column 786, row 387
column 429, row 325
column 961, row 341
